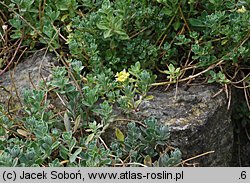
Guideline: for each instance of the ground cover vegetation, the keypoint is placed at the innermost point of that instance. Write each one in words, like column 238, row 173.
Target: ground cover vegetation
column 111, row 53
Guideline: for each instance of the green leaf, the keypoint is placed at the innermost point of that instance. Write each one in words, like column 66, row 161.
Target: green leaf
column 14, row 162
column 16, row 22
column 226, row 57
column 72, row 144
column 148, row 161
column 90, row 138
column 119, row 135
column 171, row 68
column 55, row 145
column 177, row 25
column 196, row 22
column 107, row 33
column 167, row 11
column 149, row 97
column 77, row 123
column 212, row 1
column 102, row 26
column 106, row 4
column 120, row 32
column 73, row 157
column 124, row 37
column 66, row 122
column 67, row 136
column 223, row 42
column 63, row 152
column 137, row 103
column 16, row 35
column 28, row 3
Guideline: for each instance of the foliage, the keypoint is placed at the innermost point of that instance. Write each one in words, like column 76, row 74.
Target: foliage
column 117, row 34
column 110, row 53
column 40, row 142
column 145, row 144
column 218, row 77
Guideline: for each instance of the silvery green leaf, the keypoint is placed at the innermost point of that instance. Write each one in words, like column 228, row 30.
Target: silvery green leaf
column 73, row 157
column 77, row 123
column 66, row 122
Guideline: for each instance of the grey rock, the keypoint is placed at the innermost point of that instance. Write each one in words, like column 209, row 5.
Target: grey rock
column 26, row 75
column 198, row 122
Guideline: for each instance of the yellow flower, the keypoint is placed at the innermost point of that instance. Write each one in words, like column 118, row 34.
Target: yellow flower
column 122, row 76
column 242, row 10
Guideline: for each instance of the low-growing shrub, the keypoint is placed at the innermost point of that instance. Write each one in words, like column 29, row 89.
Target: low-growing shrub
column 111, row 52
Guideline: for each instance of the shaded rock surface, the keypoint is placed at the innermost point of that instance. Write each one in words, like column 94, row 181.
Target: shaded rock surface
column 198, row 121
column 241, row 153
column 25, row 75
